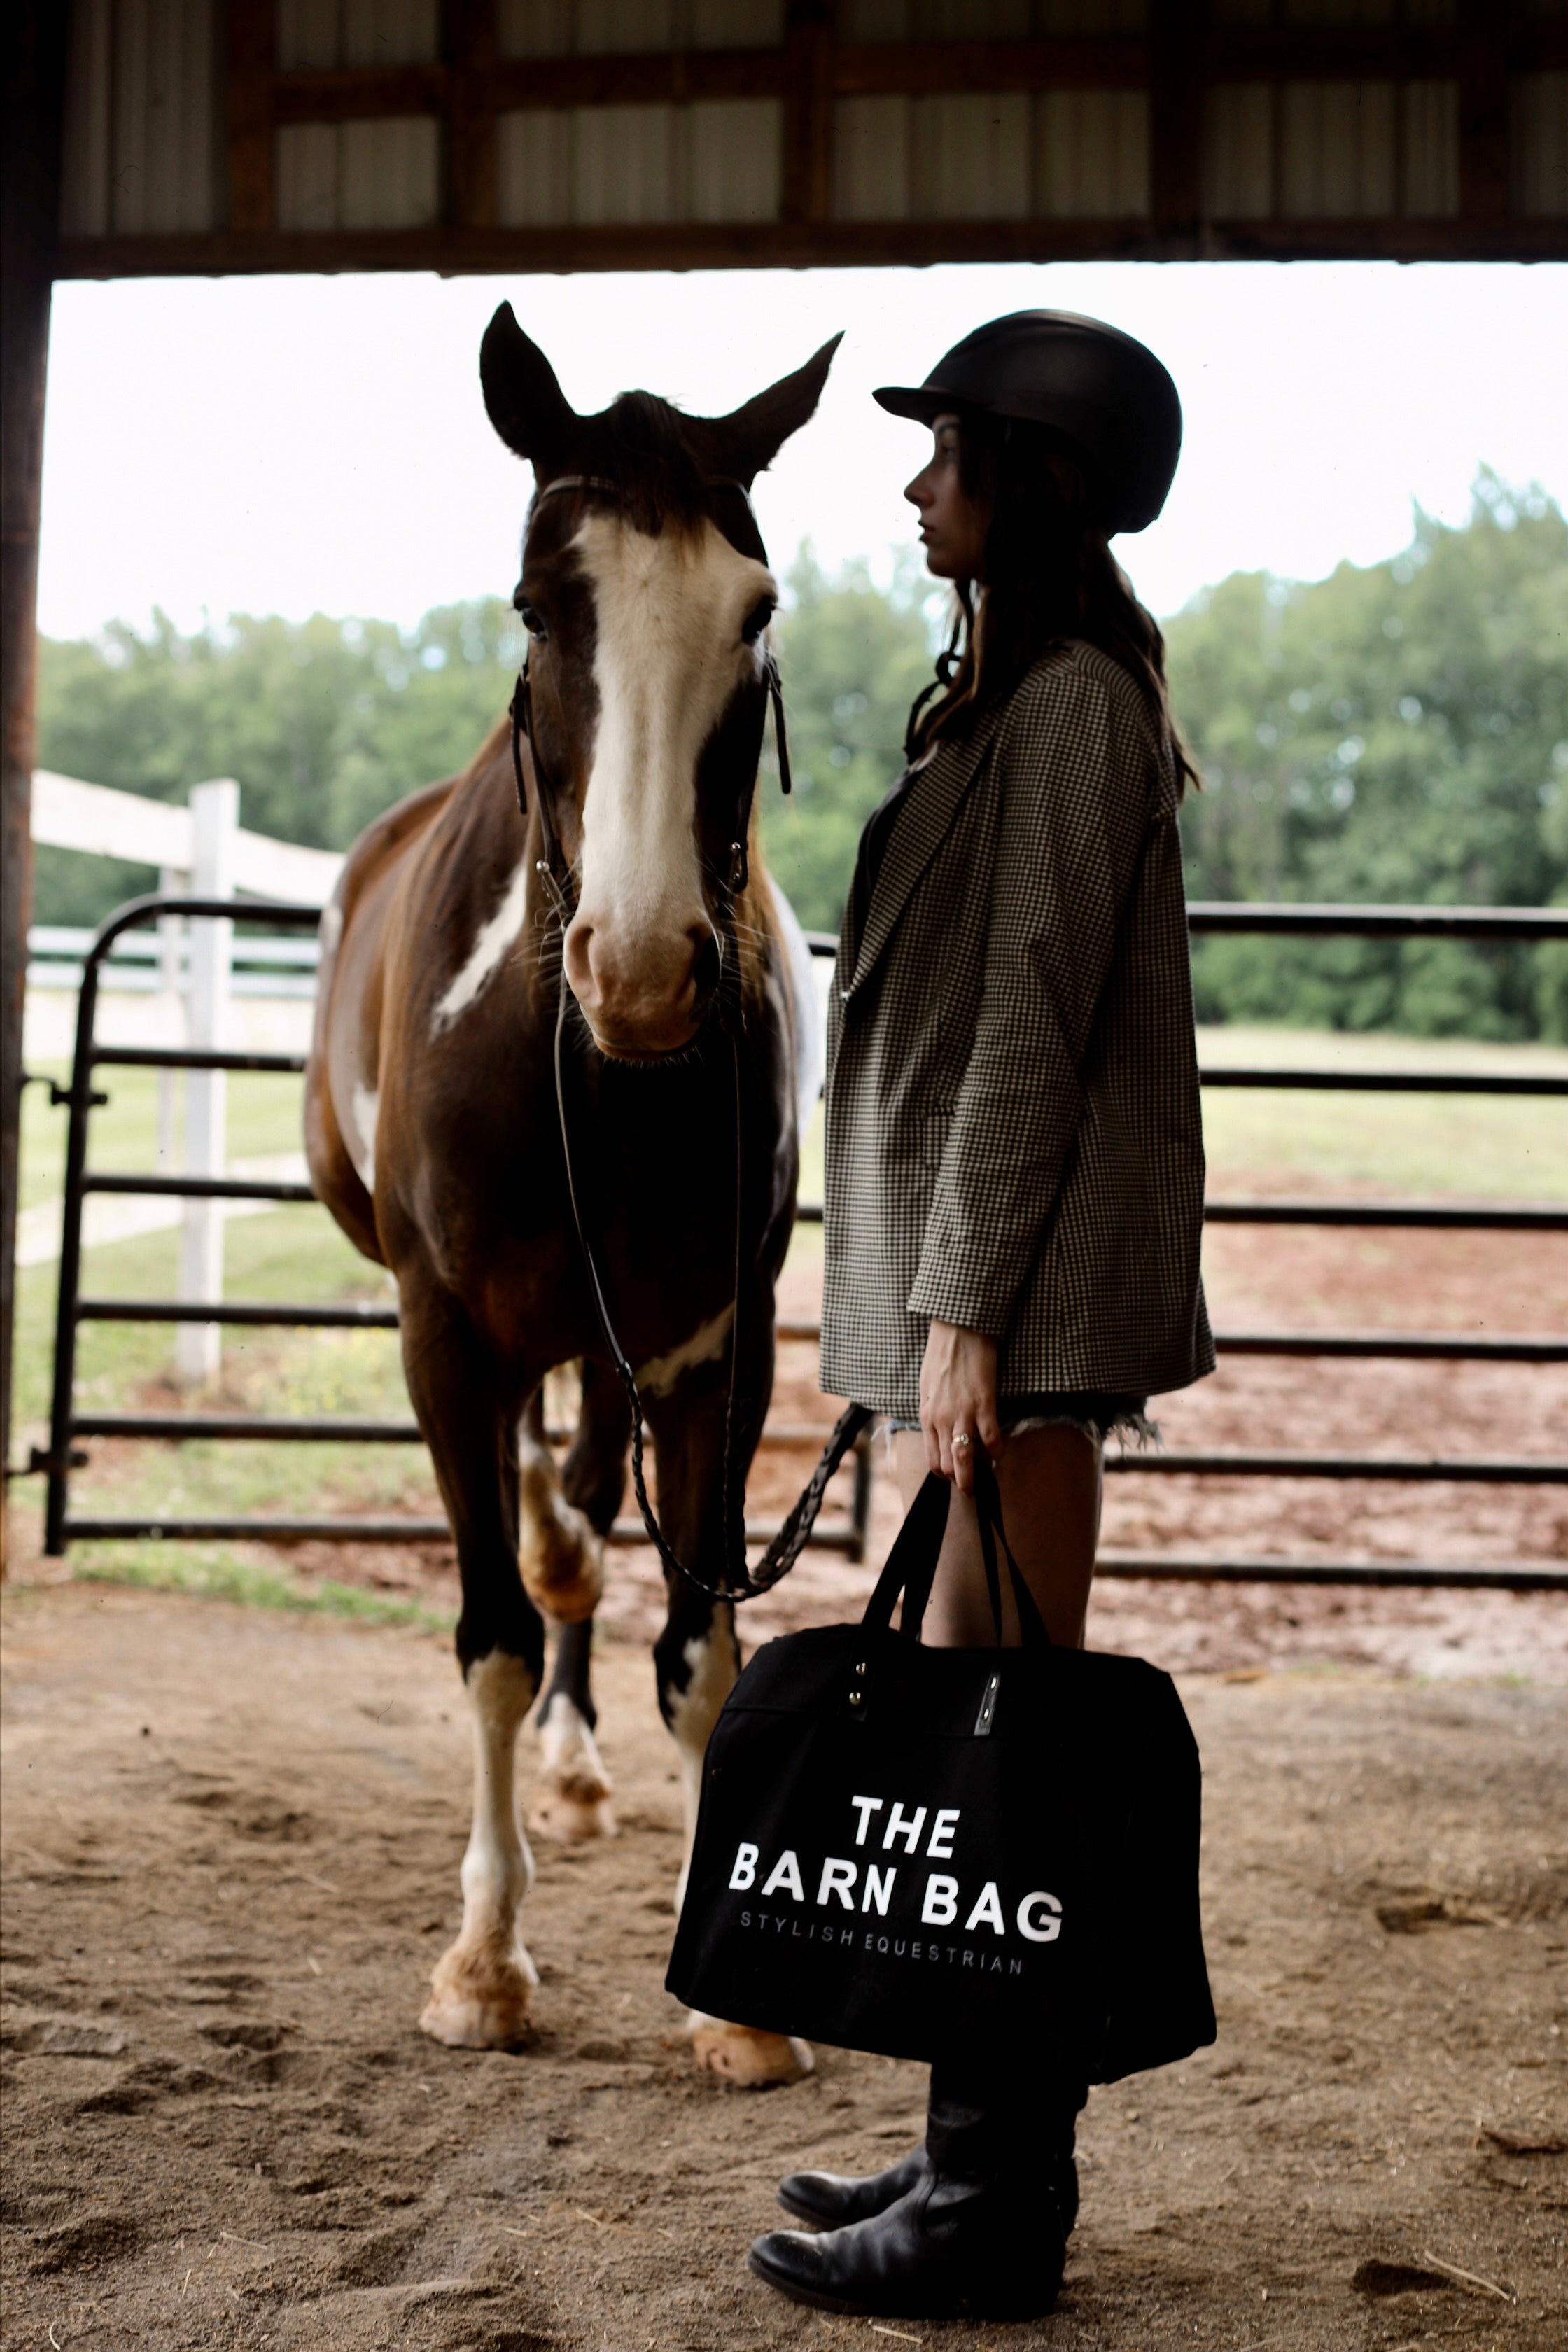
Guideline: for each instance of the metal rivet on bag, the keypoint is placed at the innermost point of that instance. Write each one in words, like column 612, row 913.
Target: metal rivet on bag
column 854, row 1698
column 861, row 1667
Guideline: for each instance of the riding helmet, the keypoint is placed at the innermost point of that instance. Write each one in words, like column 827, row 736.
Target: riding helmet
column 1102, row 390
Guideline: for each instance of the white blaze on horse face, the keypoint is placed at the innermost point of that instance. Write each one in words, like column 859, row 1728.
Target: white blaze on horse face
column 668, row 658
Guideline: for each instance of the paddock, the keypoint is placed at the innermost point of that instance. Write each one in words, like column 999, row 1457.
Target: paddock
column 231, row 1837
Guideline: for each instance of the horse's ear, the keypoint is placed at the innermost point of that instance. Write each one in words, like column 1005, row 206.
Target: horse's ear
column 751, row 437
column 523, row 399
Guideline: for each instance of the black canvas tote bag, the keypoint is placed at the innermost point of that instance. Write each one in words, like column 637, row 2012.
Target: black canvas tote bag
column 935, row 1852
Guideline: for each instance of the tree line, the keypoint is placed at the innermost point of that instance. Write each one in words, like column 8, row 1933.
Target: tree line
column 1394, row 732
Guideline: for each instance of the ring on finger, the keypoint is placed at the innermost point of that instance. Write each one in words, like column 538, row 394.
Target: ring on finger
column 960, row 1438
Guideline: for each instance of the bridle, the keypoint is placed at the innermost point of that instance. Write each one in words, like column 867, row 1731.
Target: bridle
column 739, row 1583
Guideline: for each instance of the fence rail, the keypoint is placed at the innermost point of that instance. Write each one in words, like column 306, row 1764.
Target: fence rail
column 69, row 1427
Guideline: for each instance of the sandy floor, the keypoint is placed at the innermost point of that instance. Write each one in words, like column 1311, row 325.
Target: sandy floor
column 232, row 1841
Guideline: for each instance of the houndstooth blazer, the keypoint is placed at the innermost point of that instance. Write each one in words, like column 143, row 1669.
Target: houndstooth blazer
column 1015, row 1138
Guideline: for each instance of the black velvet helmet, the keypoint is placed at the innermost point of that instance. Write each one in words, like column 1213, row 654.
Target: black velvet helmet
column 1103, row 392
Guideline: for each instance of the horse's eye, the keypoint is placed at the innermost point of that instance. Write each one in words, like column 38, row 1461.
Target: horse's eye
column 530, row 617
column 757, row 619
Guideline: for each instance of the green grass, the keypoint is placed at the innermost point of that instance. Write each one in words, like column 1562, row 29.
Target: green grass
column 213, row 1573
column 263, row 1117
column 1483, row 1147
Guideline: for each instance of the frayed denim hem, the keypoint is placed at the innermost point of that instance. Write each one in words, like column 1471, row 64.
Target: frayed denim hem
column 1098, row 1418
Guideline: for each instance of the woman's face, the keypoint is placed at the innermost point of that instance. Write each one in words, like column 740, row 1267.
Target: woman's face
column 953, row 527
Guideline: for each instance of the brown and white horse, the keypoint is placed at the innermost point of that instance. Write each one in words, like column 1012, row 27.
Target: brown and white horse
column 431, row 1117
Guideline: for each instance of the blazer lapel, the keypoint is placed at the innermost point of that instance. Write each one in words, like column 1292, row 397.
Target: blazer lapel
column 921, row 827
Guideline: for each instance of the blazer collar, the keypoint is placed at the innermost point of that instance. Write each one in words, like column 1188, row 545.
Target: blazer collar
column 923, row 826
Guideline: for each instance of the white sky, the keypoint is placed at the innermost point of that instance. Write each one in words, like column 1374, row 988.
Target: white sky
column 318, row 445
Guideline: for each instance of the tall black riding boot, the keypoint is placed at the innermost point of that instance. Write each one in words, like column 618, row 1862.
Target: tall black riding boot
column 833, row 2198
column 980, row 2233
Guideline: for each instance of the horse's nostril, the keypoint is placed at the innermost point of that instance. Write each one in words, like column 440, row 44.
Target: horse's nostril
column 705, row 963
column 579, row 963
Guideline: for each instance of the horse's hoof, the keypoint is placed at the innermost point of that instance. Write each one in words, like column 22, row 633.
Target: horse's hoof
column 750, row 2060
column 572, row 1795
column 570, row 1814
column 467, row 2011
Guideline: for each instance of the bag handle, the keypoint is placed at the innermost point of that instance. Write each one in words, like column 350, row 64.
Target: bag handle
column 910, row 1566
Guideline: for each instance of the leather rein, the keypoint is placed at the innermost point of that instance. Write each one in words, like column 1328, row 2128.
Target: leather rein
column 739, row 1583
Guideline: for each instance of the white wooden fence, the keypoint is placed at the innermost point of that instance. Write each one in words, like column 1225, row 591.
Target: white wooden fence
column 202, row 850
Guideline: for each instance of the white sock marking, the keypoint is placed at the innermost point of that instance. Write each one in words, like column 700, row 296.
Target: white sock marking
column 498, row 1868
column 711, row 1661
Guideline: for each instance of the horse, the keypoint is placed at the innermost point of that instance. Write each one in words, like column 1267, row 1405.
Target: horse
column 594, row 872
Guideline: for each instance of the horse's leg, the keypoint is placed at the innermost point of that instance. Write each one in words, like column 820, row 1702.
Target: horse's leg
column 482, row 1987
column 571, row 1797
column 561, row 1554
column 697, row 1657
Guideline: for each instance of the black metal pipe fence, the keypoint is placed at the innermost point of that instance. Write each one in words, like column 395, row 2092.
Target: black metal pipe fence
column 69, row 1427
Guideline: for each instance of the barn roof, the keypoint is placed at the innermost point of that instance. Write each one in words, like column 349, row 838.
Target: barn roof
column 238, row 136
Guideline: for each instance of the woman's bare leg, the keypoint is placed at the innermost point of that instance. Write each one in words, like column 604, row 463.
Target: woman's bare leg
column 1051, row 1482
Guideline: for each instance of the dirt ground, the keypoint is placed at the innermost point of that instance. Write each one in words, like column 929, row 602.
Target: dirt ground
column 231, row 1848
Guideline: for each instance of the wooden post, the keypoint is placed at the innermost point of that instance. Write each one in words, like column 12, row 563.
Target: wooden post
column 1484, row 161
column 807, row 181
column 1177, row 32
column 250, row 62
column 32, row 97
column 469, row 47
column 214, row 823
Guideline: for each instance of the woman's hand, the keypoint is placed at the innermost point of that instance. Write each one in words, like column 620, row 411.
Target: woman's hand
column 958, row 1401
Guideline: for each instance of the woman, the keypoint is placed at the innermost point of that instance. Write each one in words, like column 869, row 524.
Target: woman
column 1014, row 1149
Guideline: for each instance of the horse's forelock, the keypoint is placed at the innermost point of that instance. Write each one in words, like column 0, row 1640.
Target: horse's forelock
column 641, row 445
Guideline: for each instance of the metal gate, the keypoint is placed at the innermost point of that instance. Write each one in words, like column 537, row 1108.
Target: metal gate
column 69, row 1427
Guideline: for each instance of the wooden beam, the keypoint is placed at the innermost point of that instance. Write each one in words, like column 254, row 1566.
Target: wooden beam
column 932, row 69
column 32, row 110
column 361, row 93
column 249, row 64
column 1484, row 161
column 801, row 245
column 812, row 69
column 470, row 43
column 808, row 84
column 1177, row 122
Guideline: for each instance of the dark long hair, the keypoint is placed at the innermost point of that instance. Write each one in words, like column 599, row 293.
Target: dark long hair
column 1049, row 575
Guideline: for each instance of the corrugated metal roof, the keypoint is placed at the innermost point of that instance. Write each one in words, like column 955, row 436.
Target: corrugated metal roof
column 1540, row 110
column 141, row 147
column 716, row 161
column 379, row 174
column 146, row 113
column 1069, row 153
column 320, row 34
column 587, row 29
column 1338, row 150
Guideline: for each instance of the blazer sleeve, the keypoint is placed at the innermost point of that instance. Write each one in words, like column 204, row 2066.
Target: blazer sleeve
column 1079, row 793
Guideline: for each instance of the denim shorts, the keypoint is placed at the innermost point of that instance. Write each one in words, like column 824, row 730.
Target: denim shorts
column 1097, row 1413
